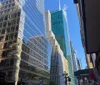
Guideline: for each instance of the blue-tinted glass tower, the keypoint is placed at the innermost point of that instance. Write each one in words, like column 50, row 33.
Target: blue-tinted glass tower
column 60, row 29
column 25, row 48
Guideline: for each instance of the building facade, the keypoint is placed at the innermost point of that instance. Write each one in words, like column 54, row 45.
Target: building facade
column 74, row 58
column 25, row 48
column 75, row 64
column 80, row 14
column 59, row 64
column 79, row 64
column 60, row 30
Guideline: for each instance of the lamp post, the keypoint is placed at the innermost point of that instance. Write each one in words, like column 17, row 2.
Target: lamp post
column 67, row 78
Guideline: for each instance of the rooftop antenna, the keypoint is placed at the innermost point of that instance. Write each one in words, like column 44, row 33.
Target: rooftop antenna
column 59, row 5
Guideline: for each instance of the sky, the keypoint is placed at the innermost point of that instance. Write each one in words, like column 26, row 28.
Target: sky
column 73, row 23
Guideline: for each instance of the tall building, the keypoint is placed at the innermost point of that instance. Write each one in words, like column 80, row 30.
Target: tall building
column 25, row 47
column 60, row 30
column 79, row 64
column 75, row 64
column 59, row 64
column 82, row 31
column 74, row 58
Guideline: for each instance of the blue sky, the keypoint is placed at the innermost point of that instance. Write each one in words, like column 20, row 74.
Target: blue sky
column 74, row 28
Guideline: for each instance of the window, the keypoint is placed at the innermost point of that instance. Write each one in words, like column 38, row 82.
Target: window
column 16, row 28
column 11, row 9
column 9, row 6
column 0, row 25
column 1, row 19
column 1, row 37
column 7, row 2
column 5, row 11
column 8, row 30
column 10, row 16
column 5, row 45
column 13, row 4
column 18, row 14
column 1, row 12
column 9, row 74
column 9, row 23
column 13, row 22
column 7, row 37
column 15, row 15
column 18, row 21
column 15, row 36
column 6, row 17
column 11, row 62
column 5, row 24
column 8, row 10
column 4, row 54
column 5, row 6
column 14, row 41
column 11, row 36
column 12, row 29
column 3, row 31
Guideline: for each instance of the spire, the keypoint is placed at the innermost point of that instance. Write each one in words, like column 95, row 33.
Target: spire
column 59, row 5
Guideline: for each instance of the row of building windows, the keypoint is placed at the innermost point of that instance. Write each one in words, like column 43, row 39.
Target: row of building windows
column 39, row 57
column 36, row 41
column 9, row 30
column 7, row 6
column 40, row 40
column 9, row 62
column 10, row 17
column 35, row 54
column 6, row 1
column 11, row 36
column 7, row 44
column 33, row 69
column 8, row 10
column 36, row 63
column 9, row 23
column 37, row 49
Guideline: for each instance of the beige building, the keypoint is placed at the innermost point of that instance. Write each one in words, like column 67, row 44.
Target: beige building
column 59, row 63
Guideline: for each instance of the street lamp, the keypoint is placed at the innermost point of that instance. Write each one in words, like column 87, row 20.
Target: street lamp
column 67, row 78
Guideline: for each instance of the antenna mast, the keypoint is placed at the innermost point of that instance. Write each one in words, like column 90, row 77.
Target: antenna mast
column 59, row 5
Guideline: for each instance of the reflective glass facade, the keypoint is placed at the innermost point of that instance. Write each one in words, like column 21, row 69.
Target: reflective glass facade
column 25, row 47
column 60, row 29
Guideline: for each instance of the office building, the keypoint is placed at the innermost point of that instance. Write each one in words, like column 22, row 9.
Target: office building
column 79, row 64
column 74, row 61
column 39, row 61
column 60, row 30
column 74, row 58
column 59, row 64
column 23, row 24
column 89, row 57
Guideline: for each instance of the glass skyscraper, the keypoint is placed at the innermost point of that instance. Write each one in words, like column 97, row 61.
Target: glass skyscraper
column 24, row 50
column 60, row 29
